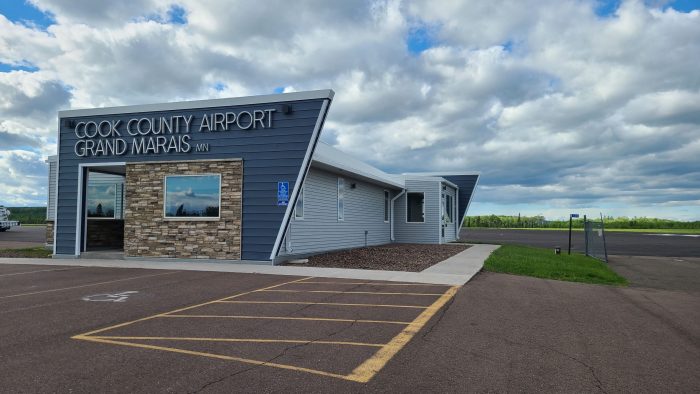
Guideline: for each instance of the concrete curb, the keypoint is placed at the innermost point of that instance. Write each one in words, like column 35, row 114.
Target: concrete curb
column 455, row 271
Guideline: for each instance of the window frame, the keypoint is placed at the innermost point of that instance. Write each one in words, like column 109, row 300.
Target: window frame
column 189, row 218
column 114, row 214
column 340, row 199
column 423, row 207
column 448, row 209
column 300, row 198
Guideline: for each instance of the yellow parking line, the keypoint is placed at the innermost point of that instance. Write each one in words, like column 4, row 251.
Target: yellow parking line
column 251, row 340
column 350, row 292
column 82, row 336
column 290, row 318
column 217, row 356
column 374, row 364
column 372, row 283
column 322, row 303
column 88, row 285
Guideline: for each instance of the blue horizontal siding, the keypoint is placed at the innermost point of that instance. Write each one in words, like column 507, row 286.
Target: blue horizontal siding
column 269, row 155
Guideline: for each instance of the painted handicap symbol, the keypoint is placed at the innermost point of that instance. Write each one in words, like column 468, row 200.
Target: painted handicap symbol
column 107, row 297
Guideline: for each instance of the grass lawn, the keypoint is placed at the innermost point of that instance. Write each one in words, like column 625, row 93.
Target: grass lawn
column 543, row 263
column 621, row 230
column 37, row 252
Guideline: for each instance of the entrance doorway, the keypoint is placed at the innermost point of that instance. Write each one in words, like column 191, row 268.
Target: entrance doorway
column 103, row 209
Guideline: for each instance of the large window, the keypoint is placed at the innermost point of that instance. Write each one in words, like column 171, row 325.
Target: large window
column 386, row 205
column 341, row 199
column 447, row 208
column 415, row 207
column 101, row 201
column 192, row 196
column 299, row 207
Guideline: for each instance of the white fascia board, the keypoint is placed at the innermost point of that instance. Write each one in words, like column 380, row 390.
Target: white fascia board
column 429, row 179
column 384, row 182
column 197, row 104
column 439, row 174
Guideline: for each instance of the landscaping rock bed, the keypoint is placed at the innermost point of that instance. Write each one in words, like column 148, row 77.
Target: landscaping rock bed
column 390, row 257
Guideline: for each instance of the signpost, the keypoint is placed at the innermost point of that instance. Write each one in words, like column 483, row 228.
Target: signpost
column 571, row 216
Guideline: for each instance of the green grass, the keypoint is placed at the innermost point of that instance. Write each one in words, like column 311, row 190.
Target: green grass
column 37, row 252
column 543, row 263
column 620, row 230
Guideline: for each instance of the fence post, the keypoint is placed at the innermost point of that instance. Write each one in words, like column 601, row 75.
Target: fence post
column 602, row 227
column 585, row 233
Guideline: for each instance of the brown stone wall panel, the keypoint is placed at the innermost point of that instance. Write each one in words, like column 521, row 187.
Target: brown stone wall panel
column 49, row 232
column 148, row 234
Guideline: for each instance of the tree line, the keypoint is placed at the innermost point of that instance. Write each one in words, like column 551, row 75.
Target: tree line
column 622, row 222
column 28, row 215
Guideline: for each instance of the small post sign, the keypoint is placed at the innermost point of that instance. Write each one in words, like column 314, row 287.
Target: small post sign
column 282, row 194
column 571, row 216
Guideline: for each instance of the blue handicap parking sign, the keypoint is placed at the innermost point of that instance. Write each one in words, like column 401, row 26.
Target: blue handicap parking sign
column 282, row 193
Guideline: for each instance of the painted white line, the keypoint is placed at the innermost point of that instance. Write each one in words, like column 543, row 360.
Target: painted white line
column 33, row 272
column 677, row 235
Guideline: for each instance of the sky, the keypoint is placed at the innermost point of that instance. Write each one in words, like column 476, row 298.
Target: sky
column 562, row 106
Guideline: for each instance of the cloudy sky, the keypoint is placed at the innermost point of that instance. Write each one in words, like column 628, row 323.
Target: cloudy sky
column 563, row 105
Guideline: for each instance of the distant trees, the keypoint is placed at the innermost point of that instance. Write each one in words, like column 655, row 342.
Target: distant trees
column 504, row 221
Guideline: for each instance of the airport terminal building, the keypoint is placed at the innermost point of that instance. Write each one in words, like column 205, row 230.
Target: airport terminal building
column 241, row 179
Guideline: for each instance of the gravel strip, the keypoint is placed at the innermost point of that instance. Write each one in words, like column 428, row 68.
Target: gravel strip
column 391, row 257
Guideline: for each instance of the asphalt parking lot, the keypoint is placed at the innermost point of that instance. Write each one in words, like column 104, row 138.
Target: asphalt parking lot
column 129, row 330
column 618, row 243
column 23, row 237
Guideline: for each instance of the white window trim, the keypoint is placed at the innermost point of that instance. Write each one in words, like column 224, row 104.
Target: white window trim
column 406, row 215
column 340, row 196
column 114, row 216
column 296, row 205
column 387, row 206
column 189, row 218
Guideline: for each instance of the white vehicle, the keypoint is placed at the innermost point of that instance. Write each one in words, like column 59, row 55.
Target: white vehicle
column 5, row 222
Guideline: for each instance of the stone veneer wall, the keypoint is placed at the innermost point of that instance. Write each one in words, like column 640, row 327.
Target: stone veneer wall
column 49, row 232
column 148, row 234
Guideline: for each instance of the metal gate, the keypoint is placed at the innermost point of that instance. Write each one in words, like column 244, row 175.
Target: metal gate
column 595, row 239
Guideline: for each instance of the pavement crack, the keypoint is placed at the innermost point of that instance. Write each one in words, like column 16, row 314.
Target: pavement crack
column 443, row 312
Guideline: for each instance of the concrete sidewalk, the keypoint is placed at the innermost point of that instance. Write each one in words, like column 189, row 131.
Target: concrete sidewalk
column 457, row 270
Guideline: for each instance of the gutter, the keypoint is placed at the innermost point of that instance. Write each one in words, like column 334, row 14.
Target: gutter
column 391, row 224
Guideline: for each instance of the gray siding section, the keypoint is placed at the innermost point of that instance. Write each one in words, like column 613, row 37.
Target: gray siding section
column 467, row 185
column 450, row 229
column 51, row 192
column 429, row 230
column 320, row 229
column 269, row 155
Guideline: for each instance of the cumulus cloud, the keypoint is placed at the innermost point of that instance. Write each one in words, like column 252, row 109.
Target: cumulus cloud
column 554, row 105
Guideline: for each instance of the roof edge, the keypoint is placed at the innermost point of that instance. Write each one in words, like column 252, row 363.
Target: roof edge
column 440, row 174
column 196, row 104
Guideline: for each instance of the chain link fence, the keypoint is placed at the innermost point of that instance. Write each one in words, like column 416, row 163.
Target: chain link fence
column 594, row 231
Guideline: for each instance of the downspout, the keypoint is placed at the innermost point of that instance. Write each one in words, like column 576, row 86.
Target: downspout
column 391, row 224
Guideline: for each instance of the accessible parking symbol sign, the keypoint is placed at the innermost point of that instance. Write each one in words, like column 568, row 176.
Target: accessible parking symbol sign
column 282, row 194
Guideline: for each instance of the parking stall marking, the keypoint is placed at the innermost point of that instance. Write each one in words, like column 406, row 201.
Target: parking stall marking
column 288, row 318
column 37, row 271
column 324, row 303
column 350, row 292
column 366, row 369
column 251, row 340
column 86, row 285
